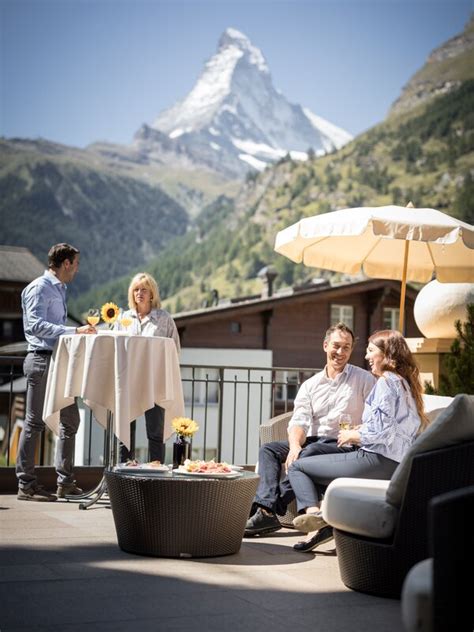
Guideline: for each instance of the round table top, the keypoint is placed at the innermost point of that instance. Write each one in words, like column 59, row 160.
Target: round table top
column 175, row 475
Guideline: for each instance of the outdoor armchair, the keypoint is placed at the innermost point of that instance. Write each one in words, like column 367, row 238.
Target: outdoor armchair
column 276, row 429
column 381, row 527
column 436, row 595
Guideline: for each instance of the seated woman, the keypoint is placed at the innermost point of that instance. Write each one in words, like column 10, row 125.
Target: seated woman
column 148, row 319
column 393, row 417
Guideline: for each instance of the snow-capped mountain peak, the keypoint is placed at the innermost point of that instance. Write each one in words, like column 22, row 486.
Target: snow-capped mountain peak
column 233, row 37
column 233, row 119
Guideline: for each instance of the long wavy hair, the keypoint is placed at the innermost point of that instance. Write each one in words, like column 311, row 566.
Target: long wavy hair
column 399, row 359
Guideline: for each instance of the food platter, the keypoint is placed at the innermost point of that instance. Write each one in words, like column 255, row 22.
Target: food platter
column 227, row 475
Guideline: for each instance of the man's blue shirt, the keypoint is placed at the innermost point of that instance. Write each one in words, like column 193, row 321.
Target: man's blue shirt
column 44, row 312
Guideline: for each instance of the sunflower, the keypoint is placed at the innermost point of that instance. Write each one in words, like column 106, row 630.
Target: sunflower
column 109, row 312
column 184, row 427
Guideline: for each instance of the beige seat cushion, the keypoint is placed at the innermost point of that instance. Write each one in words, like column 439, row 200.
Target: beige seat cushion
column 453, row 425
column 359, row 506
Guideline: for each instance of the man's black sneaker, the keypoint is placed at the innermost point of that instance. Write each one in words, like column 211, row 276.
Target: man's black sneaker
column 322, row 536
column 261, row 523
column 36, row 493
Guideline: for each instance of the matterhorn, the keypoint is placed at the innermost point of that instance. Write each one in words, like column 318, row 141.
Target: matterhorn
column 234, row 120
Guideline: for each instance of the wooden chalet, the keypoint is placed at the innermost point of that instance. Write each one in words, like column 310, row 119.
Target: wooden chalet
column 18, row 267
column 291, row 323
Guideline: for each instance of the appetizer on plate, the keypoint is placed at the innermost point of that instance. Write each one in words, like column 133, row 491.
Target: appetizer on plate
column 154, row 464
column 206, row 467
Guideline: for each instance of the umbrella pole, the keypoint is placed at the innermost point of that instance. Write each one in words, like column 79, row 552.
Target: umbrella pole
column 401, row 320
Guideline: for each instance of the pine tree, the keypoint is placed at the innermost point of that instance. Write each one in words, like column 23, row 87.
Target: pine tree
column 458, row 374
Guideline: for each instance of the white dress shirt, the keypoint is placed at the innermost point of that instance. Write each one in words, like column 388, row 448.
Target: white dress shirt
column 320, row 400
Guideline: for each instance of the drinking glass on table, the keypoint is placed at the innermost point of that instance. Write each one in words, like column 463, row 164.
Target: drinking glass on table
column 93, row 317
column 125, row 320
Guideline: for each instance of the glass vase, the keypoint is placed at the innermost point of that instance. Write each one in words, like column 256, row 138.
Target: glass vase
column 181, row 451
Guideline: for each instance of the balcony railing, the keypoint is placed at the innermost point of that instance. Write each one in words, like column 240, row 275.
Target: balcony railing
column 228, row 402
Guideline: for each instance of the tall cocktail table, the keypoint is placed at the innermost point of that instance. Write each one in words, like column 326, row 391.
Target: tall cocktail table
column 171, row 515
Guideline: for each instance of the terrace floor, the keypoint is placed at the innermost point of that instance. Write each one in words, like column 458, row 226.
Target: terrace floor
column 61, row 569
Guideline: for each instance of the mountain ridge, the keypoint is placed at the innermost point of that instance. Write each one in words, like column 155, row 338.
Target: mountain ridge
column 424, row 153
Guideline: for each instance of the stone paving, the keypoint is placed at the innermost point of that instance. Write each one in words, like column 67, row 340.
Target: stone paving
column 61, row 569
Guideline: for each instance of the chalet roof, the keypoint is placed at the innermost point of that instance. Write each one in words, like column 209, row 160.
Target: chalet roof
column 19, row 264
column 292, row 295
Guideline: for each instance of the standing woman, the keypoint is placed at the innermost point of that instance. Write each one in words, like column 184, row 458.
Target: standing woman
column 392, row 419
column 148, row 319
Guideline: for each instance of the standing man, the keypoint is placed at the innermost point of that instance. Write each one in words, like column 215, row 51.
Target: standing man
column 44, row 316
column 340, row 388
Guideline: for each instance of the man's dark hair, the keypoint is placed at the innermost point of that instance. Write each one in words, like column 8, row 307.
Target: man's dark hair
column 59, row 253
column 340, row 327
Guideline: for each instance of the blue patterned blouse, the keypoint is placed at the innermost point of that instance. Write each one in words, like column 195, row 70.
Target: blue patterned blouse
column 390, row 421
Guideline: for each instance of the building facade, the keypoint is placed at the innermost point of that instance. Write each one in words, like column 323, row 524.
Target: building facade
column 292, row 323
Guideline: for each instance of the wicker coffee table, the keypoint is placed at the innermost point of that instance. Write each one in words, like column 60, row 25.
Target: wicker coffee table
column 171, row 515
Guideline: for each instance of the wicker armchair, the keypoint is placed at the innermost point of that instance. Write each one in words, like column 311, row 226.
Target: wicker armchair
column 381, row 527
column 276, row 430
column 436, row 595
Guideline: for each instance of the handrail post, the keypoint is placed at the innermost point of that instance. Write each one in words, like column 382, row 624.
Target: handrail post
column 220, row 413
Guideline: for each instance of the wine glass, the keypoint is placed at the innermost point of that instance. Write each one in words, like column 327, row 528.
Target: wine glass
column 125, row 320
column 93, row 317
column 345, row 421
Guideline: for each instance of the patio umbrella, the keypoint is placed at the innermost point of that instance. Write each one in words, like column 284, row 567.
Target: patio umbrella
column 386, row 242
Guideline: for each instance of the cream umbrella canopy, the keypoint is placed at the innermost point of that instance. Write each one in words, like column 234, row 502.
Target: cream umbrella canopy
column 386, row 242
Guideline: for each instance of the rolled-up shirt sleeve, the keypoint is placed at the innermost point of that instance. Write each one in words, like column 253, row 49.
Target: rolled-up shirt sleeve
column 173, row 333
column 378, row 427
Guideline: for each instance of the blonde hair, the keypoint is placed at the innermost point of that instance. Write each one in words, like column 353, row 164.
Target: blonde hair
column 143, row 278
column 399, row 359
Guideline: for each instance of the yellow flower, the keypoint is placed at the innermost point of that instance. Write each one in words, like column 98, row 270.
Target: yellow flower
column 109, row 312
column 184, row 427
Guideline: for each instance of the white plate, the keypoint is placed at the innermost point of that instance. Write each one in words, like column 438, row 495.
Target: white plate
column 209, row 474
column 237, row 468
column 143, row 467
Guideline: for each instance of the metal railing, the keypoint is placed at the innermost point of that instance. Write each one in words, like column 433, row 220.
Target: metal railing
column 229, row 404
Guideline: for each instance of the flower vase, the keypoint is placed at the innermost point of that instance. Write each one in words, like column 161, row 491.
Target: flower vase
column 181, row 451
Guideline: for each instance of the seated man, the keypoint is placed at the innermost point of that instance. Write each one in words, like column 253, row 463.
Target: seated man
column 340, row 388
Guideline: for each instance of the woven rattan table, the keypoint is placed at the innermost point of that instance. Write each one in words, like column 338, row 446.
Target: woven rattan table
column 171, row 515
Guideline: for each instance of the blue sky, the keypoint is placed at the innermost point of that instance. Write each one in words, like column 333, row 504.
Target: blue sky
column 77, row 71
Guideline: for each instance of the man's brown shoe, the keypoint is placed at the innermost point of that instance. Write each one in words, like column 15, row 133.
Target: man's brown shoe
column 68, row 489
column 36, row 493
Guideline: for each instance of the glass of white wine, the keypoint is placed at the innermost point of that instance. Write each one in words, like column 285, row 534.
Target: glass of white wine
column 125, row 321
column 345, row 423
column 93, row 317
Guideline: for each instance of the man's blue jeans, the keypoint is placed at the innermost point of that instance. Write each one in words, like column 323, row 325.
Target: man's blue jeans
column 274, row 492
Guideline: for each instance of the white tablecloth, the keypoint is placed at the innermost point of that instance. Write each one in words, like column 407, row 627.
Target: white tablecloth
column 126, row 375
